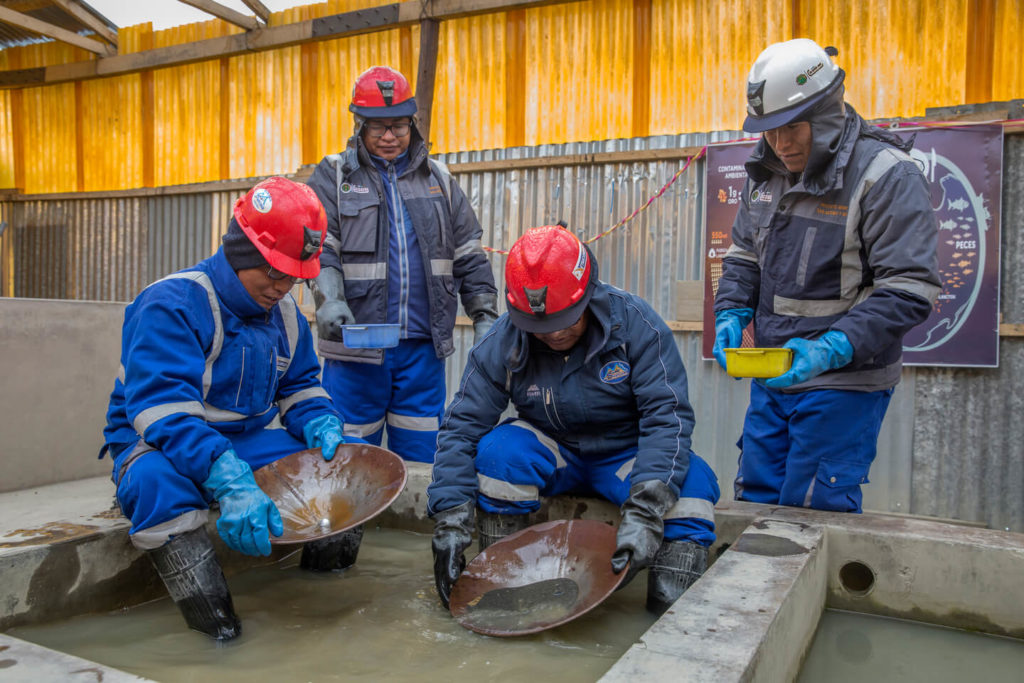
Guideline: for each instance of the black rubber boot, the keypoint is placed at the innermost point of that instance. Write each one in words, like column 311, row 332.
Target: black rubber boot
column 334, row 554
column 677, row 565
column 494, row 527
column 192, row 574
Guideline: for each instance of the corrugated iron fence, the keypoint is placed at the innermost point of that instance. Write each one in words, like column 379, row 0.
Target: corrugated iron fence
column 953, row 441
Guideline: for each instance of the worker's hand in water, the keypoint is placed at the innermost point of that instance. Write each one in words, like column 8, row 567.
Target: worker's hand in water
column 247, row 515
column 641, row 528
column 729, row 325
column 324, row 432
column 811, row 358
column 453, row 533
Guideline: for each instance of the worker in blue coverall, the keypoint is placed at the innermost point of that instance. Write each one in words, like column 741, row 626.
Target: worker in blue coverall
column 834, row 257
column 402, row 239
column 218, row 378
column 601, row 399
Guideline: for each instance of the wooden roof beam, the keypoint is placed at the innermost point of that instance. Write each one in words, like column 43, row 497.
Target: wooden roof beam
column 223, row 12
column 50, row 31
column 382, row 18
column 75, row 9
column 259, row 9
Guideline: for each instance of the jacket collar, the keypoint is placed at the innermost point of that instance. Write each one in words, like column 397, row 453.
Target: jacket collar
column 230, row 290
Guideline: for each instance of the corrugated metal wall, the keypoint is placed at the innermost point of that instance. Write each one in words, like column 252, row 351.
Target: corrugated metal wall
column 951, row 444
column 588, row 70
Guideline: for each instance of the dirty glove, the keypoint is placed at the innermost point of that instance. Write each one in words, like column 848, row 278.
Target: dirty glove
column 246, row 513
column 453, row 533
column 483, row 309
column 811, row 358
column 332, row 310
column 642, row 526
column 324, row 433
column 729, row 326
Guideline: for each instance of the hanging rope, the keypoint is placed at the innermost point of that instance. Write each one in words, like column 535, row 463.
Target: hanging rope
column 636, row 213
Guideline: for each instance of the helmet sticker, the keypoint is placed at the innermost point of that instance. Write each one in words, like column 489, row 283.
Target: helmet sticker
column 614, row 372
column 581, row 263
column 261, row 200
column 801, row 79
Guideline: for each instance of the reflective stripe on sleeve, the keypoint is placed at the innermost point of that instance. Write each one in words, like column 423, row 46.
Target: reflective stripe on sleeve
column 692, row 508
column 286, row 403
column 150, row 416
column 503, row 490
column 413, row 424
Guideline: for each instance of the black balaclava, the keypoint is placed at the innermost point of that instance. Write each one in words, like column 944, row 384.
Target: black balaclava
column 827, row 119
column 239, row 249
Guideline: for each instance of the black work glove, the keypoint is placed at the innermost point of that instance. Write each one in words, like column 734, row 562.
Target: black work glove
column 641, row 528
column 453, row 533
column 332, row 310
column 483, row 309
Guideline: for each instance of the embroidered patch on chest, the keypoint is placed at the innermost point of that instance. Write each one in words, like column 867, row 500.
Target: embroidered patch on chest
column 533, row 391
column 614, row 372
column 358, row 189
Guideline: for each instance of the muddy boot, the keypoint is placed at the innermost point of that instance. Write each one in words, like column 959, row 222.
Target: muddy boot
column 676, row 566
column 192, row 574
column 494, row 527
column 333, row 554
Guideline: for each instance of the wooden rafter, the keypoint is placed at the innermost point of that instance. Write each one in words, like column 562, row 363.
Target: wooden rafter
column 381, row 18
column 50, row 31
column 259, row 9
column 75, row 9
column 226, row 13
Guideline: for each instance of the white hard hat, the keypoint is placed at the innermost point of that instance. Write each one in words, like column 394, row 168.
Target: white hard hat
column 788, row 79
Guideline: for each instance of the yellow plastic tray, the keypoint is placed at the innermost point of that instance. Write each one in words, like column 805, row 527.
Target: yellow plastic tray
column 757, row 362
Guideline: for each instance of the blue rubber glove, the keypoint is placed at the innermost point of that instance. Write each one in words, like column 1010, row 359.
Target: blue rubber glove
column 811, row 358
column 246, row 513
column 324, row 432
column 729, row 326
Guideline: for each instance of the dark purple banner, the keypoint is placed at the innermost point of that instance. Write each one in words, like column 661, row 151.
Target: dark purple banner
column 963, row 166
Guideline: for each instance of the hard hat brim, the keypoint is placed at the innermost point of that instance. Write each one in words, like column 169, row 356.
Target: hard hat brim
column 777, row 119
column 566, row 317
column 407, row 108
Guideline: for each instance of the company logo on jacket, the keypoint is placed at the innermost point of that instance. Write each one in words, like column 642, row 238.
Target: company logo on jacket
column 614, row 372
column 533, row 391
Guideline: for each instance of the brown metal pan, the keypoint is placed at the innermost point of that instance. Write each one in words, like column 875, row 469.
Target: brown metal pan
column 538, row 578
column 319, row 498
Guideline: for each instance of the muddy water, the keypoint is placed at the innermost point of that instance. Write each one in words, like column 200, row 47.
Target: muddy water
column 379, row 621
column 854, row 648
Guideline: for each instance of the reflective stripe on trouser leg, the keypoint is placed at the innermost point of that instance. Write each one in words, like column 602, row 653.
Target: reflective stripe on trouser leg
column 159, row 501
column 417, row 399
column 360, row 392
column 692, row 518
column 763, row 445
column 833, row 440
column 514, row 462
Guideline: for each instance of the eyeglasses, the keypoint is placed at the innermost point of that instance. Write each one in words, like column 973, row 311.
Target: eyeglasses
column 276, row 275
column 376, row 129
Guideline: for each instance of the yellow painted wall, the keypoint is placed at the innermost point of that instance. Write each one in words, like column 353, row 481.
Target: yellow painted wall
column 589, row 70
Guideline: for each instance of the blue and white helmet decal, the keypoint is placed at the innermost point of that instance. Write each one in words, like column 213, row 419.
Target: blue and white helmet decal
column 614, row 372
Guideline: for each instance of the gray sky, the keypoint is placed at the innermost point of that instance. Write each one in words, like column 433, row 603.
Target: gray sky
column 168, row 13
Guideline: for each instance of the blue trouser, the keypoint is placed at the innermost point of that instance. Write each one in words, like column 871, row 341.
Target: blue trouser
column 517, row 464
column 161, row 502
column 810, row 449
column 406, row 392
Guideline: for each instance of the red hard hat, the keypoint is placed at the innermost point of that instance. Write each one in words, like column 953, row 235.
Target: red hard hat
column 286, row 222
column 382, row 92
column 550, row 276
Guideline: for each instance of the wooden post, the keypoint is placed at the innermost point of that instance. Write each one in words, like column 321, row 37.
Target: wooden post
column 641, row 68
column 429, row 29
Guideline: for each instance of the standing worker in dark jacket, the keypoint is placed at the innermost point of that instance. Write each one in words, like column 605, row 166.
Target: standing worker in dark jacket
column 218, row 378
column 601, row 396
column 833, row 256
column 402, row 239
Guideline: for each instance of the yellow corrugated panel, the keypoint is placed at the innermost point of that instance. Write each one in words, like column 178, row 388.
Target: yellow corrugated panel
column 6, row 141
column 42, row 54
column 111, row 134
column 900, row 56
column 49, row 145
column 469, row 89
column 1008, row 61
column 701, row 52
column 578, row 73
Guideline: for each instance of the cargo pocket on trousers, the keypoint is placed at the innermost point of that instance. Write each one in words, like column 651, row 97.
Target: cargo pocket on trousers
column 837, row 485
